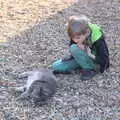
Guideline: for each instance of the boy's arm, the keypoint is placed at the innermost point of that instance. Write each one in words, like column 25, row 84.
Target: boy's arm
column 102, row 56
column 90, row 53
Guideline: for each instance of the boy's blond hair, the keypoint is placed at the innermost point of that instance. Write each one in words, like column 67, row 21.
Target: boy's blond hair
column 77, row 25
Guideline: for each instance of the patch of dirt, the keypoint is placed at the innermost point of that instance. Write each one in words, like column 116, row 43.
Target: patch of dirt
column 17, row 16
column 46, row 41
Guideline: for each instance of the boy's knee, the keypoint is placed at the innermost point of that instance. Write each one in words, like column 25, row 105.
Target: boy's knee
column 75, row 49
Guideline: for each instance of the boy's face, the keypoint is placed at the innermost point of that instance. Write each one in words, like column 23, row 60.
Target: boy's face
column 79, row 39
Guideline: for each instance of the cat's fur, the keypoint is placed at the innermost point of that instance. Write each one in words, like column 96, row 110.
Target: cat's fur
column 40, row 85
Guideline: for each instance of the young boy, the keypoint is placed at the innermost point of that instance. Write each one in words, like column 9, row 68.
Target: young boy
column 87, row 47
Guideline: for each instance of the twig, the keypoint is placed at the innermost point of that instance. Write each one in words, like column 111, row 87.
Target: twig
column 7, row 84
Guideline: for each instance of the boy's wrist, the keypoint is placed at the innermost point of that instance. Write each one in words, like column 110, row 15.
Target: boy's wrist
column 92, row 56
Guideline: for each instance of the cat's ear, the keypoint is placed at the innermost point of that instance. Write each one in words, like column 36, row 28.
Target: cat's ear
column 20, row 89
column 25, row 74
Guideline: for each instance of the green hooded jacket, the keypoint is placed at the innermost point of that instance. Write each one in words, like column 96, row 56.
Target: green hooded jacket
column 96, row 32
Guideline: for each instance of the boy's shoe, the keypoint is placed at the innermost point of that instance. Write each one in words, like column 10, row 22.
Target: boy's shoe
column 87, row 74
column 61, row 72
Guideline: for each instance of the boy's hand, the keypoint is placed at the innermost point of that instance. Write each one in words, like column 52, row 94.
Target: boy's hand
column 89, row 53
column 81, row 39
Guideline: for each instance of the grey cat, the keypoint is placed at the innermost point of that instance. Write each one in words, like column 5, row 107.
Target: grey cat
column 40, row 85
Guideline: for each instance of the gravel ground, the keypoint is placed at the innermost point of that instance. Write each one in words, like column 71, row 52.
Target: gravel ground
column 39, row 46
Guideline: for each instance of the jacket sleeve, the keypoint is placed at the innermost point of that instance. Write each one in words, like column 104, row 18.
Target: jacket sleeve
column 102, row 54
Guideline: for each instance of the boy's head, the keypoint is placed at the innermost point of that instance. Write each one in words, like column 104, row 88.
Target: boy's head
column 77, row 26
